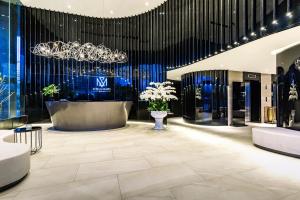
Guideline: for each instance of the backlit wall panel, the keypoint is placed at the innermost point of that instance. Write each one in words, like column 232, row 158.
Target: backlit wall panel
column 135, row 36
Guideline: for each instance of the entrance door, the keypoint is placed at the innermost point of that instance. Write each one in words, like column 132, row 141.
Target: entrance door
column 238, row 104
column 255, row 87
column 252, row 101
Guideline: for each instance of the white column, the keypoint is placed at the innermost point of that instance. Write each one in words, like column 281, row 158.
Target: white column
column 229, row 104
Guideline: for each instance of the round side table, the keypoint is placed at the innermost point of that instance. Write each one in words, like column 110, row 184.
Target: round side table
column 35, row 137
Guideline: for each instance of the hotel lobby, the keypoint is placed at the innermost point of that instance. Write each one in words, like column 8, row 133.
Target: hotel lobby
column 149, row 99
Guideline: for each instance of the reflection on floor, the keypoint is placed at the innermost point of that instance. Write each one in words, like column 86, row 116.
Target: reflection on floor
column 208, row 122
column 136, row 163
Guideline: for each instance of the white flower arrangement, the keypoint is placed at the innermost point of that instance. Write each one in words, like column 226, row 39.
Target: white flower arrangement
column 293, row 94
column 158, row 94
column 293, row 97
column 198, row 93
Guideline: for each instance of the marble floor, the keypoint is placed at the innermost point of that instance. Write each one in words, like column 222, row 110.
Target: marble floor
column 184, row 162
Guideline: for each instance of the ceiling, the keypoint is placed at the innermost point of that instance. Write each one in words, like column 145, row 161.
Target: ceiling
column 257, row 56
column 97, row 8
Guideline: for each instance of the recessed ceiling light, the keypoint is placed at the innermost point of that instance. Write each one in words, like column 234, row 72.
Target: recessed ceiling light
column 289, row 14
column 263, row 28
column 245, row 38
column 146, row 3
column 275, row 22
column 111, row 12
column 69, row 6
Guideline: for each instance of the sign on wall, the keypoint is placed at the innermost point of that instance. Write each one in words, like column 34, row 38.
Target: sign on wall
column 102, row 85
column 249, row 76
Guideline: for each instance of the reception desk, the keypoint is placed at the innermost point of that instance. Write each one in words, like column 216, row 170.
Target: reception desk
column 88, row 116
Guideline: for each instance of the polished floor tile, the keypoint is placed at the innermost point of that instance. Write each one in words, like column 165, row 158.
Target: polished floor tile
column 183, row 162
column 114, row 167
column 106, row 188
column 156, row 179
column 86, row 157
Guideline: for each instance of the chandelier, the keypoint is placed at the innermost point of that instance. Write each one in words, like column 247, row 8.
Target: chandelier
column 80, row 52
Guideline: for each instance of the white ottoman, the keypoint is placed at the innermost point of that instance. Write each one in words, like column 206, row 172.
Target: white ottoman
column 280, row 140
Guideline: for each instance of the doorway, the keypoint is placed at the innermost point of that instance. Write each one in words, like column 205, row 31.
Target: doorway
column 253, row 101
column 238, row 104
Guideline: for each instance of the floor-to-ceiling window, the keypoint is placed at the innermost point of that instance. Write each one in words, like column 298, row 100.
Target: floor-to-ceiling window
column 11, row 102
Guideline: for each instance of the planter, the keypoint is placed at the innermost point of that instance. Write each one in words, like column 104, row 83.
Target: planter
column 159, row 119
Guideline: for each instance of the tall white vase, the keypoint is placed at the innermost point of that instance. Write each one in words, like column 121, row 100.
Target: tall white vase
column 159, row 119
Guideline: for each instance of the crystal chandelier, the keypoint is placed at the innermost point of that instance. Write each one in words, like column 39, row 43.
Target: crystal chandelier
column 74, row 50
column 80, row 52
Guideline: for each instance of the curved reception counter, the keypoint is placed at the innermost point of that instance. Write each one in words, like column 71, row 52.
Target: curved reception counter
column 88, row 116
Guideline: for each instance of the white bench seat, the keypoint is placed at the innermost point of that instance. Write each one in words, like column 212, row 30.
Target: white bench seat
column 280, row 140
column 14, row 160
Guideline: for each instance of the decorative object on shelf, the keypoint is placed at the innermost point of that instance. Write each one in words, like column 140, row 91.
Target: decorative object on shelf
column 3, row 88
column 293, row 94
column 51, row 90
column 198, row 93
column 293, row 97
column 270, row 114
column 297, row 64
column 158, row 95
column 80, row 52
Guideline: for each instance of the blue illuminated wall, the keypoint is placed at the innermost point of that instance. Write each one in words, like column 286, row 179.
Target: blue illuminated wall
column 11, row 61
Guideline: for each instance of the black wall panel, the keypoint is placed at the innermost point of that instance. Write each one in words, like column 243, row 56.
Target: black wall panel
column 140, row 37
column 177, row 33
column 204, row 96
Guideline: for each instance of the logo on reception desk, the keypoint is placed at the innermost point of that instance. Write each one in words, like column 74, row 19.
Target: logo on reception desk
column 102, row 85
column 101, row 82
